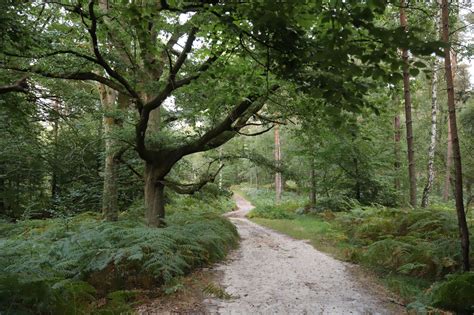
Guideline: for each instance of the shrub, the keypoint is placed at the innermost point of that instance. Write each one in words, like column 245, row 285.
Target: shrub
column 333, row 204
column 49, row 265
column 420, row 242
column 456, row 293
column 271, row 212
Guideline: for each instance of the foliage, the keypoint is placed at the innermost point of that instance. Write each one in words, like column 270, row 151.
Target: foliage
column 456, row 293
column 118, row 302
column 271, row 212
column 265, row 207
column 60, row 262
column 420, row 242
column 217, row 291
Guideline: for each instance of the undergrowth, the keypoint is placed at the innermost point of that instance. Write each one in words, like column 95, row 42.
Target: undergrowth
column 416, row 252
column 63, row 265
column 265, row 207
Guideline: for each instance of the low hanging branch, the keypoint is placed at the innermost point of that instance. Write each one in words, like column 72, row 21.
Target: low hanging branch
column 189, row 189
column 19, row 86
column 256, row 133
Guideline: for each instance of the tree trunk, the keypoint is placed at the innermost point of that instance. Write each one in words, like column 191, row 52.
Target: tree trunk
column 396, row 138
column 220, row 165
column 408, row 118
column 54, row 175
column 278, row 182
column 110, row 191
column 432, row 147
column 449, row 164
column 154, row 196
column 3, row 191
column 312, row 195
column 458, row 191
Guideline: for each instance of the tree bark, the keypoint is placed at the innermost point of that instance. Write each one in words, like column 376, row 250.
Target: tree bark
column 54, row 175
column 458, row 191
column 278, row 181
column 449, row 164
column 449, row 149
column 221, row 164
column 408, row 117
column 154, row 196
column 396, row 138
column 432, row 147
column 110, row 191
column 312, row 195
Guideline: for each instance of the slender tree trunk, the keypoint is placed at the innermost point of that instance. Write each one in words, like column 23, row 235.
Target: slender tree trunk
column 408, row 117
column 358, row 190
column 396, row 138
column 256, row 177
column 449, row 164
column 54, row 175
column 154, row 196
column 458, row 191
column 278, row 181
column 3, row 191
column 312, row 195
column 110, row 191
column 220, row 165
column 432, row 147
column 449, row 149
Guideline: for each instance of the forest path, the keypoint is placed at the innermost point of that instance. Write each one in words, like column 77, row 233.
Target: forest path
column 271, row 273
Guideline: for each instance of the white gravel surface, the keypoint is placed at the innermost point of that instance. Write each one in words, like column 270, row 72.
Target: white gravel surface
column 271, row 273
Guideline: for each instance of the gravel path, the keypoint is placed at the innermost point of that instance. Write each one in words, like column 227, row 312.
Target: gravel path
column 271, row 273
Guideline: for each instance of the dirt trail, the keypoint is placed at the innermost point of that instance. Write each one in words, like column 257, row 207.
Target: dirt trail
column 271, row 273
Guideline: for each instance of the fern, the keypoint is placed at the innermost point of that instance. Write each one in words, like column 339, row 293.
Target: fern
column 420, row 242
column 55, row 261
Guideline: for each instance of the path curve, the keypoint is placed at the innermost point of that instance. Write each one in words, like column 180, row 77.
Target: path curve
column 271, row 273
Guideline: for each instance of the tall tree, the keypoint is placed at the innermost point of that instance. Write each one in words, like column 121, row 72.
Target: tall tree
column 449, row 148
column 432, row 147
column 108, row 99
column 396, row 146
column 312, row 192
column 408, row 115
column 458, row 191
column 277, row 153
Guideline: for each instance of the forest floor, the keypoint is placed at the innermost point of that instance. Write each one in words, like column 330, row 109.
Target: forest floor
column 271, row 273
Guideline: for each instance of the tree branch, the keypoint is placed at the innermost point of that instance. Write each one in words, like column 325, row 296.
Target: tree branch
column 19, row 86
column 190, row 189
column 80, row 76
column 227, row 128
column 100, row 59
column 184, row 54
column 256, row 133
column 54, row 53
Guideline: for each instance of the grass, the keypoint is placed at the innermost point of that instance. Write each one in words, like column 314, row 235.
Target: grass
column 321, row 234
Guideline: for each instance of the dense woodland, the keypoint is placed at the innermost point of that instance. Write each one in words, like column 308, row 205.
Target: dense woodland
column 125, row 125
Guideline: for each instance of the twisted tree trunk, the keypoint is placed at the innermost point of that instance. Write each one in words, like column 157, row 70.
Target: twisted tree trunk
column 154, row 195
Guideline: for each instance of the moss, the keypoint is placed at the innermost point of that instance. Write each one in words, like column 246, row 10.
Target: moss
column 455, row 294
